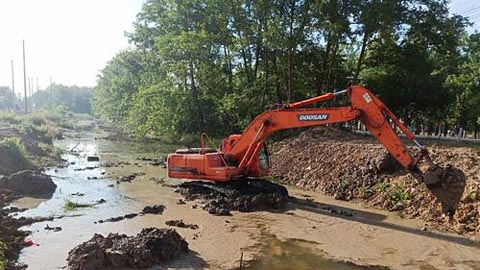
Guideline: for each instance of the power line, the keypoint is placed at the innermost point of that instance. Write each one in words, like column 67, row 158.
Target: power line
column 470, row 10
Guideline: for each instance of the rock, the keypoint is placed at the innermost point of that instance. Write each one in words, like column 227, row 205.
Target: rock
column 181, row 224
column 155, row 209
column 150, row 246
column 93, row 158
column 29, row 183
column 101, row 201
column 130, row 177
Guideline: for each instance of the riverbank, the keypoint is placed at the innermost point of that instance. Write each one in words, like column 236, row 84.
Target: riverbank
column 349, row 166
column 26, row 147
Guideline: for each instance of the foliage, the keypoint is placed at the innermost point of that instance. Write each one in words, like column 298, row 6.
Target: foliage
column 58, row 98
column 70, row 205
column 383, row 186
column 14, row 148
column 212, row 66
column 2, row 256
column 397, row 194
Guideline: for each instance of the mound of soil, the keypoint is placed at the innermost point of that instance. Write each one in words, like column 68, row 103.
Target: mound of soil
column 363, row 169
column 241, row 195
column 29, row 183
column 150, row 246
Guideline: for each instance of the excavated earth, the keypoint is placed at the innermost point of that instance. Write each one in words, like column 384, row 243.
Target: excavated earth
column 150, row 246
column 244, row 195
column 349, row 166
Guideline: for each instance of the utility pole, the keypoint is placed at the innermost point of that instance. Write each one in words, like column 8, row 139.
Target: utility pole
column 13, row 86
column 24, row 77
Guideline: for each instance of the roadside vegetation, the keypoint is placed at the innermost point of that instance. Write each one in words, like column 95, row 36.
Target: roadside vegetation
column 14, row 154
column 26, row 141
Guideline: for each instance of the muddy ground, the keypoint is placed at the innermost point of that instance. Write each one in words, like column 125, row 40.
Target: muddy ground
column 349, row 166
column 303, row 231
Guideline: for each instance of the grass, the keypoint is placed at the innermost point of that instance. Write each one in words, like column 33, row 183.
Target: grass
column 2, row 255
column 382, row 187
column 397, row 194
column 366, row 191
column 70, row 205
column 345, row 183
column 17, row 156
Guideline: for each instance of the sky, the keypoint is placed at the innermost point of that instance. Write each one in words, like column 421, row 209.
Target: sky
column 67, row 40
column 70, row 41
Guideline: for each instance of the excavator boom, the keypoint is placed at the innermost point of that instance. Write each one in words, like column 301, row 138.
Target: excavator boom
column 245, row 155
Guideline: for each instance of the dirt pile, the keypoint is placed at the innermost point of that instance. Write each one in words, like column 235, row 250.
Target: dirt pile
column 30, row 183
column 242, row 195
column 150, row 246
column 349, row 166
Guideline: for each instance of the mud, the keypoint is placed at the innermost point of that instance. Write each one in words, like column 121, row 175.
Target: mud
column 150, row 246
column 130, row 177
column 29, row 183
column 155, row 209
column 242, row 195
column 349, row 166
column 181, row 224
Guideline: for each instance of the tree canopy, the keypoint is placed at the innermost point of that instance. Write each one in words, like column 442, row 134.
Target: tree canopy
column 211, row 66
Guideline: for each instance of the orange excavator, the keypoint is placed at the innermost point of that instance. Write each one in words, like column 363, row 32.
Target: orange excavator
column 245, row 155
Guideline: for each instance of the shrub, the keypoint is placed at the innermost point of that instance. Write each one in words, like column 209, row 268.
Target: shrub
column 397, row 194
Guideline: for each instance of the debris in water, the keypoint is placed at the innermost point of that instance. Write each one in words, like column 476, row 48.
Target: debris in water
column 93, row 158
column 55, row 229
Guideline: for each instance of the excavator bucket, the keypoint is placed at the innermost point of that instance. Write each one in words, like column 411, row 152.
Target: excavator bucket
column 447, row 184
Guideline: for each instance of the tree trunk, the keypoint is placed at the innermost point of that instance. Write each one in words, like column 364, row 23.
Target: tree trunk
column 361, row 56
column 195, row 95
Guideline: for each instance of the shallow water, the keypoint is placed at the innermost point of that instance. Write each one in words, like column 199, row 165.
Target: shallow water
column 298, row 254
column 79, row 225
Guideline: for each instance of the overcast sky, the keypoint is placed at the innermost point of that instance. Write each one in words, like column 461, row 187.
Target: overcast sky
column 71, row 40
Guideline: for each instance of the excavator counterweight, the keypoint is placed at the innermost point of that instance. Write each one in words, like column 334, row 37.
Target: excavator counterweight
column 245, row 155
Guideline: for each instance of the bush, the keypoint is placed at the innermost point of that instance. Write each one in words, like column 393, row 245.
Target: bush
column 31, row 131
column 13, row 148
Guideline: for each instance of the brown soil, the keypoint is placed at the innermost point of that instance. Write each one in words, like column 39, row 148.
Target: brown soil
column 150, row 246
column 349, row 166
column 243, row 195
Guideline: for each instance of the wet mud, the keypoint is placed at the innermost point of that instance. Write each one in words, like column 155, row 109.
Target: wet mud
column 150, row 246
column 241, row 195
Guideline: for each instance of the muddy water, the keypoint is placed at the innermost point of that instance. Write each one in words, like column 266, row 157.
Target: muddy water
column 331, row 235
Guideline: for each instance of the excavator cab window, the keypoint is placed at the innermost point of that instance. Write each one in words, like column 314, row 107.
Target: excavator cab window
column 264, row 158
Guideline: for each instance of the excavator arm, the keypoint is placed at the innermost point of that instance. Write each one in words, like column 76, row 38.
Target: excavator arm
column 239, row 154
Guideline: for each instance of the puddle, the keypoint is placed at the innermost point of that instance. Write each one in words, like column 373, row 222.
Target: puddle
column 300, row 255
